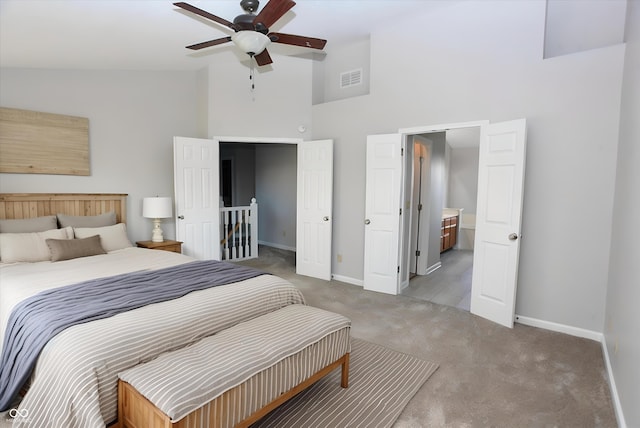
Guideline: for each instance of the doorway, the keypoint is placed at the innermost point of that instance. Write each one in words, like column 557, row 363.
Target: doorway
column 267, row 172
column 226, row 179
column 498, row 223
column 197, row 188
column 443, row 183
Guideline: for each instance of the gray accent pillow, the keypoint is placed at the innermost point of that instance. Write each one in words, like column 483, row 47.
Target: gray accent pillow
column 66, row 249
column 106, row 219
column 29, row 225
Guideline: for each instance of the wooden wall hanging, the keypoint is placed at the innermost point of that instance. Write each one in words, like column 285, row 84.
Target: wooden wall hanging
column 32, row 142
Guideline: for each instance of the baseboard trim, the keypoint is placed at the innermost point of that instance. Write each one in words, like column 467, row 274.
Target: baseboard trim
column 348, row 280
column 560, row 328
column 278, row 246
column 617, row 406
column 433, row 268
column 587, row 334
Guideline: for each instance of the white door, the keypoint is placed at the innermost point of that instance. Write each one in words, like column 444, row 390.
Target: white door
column 498, row 219
column 314, row 209
column 382, row 213
column 196, row 183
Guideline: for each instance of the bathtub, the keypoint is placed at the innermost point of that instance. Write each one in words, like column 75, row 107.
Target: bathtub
column 467, row 234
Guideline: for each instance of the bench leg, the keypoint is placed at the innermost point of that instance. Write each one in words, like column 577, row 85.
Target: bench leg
column 344, row 381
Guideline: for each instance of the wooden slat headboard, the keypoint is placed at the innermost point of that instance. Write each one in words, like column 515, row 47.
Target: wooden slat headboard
column 29, row 205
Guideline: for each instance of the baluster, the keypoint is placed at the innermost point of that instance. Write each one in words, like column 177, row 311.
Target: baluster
column 232, row 234
column 227, row 234
column 245, row 221
column 240, row 229
column 254, row 227
column 238, row 237
column 225, row 231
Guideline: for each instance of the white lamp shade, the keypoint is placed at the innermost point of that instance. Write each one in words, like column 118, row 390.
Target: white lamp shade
column 157, row 207
column 250, row 42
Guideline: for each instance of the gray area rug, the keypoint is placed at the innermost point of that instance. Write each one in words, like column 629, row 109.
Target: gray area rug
column 381, row 383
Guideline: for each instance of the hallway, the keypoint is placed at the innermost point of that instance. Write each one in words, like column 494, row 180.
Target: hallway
column 449, row 285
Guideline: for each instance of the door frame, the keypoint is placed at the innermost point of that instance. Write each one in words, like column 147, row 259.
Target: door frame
column 257, row 140
column 484, row 126
column 403, row 258
column 418, row 131
column 277, row 140
column 216, row 140
column 404, row 250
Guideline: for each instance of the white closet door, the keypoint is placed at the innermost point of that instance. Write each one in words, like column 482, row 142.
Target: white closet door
column 314, row 209
column 197, row 195
column 498, row 221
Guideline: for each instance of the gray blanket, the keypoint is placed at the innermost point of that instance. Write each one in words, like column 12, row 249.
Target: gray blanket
column 39, row 318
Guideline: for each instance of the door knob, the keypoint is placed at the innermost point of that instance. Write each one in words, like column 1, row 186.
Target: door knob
column 367, row 221
column 180, row 217
column 513, row 237
column 325, row 218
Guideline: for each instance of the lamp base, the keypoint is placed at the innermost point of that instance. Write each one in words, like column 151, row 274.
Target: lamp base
column 156, row 235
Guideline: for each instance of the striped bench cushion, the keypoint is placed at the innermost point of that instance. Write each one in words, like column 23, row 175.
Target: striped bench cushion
column 179, row 382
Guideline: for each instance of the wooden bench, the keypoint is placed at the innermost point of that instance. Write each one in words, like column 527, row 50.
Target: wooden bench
column 236, row 377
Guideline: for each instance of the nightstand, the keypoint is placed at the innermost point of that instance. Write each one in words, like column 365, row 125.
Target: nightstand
column 166, row 245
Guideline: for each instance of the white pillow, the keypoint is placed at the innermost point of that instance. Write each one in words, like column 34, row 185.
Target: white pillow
column 111, row 237
column 30, row 247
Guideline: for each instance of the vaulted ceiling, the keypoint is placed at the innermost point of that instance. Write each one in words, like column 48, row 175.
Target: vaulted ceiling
column 152, row 34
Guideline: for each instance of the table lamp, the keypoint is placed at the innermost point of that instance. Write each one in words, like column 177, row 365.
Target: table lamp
column 157, row 208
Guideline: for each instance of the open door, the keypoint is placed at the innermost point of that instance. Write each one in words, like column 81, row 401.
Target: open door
column 498, row 221
column 197, row 195
column 382, row 213
column 314, row 209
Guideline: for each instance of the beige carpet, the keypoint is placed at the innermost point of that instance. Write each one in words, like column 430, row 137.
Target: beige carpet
column 381, row 383
column 489, row 375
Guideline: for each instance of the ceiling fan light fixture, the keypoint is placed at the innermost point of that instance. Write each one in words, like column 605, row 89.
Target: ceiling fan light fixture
column 251, row 42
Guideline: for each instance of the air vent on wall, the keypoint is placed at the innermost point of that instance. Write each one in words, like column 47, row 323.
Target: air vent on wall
column 350, row 78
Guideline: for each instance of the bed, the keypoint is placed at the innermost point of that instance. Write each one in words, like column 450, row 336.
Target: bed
column 74, row 380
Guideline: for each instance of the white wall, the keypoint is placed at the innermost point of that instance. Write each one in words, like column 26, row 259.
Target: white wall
column 436, row 196
column 574, row 26
column 133, row 117
column 339, row 59
column 622, row 326
column 483, row 60
column 243, row 158
column 279, row 104
column 463, row 179
column 276, row 190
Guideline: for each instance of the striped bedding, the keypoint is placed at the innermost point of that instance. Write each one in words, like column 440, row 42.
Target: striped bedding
column 75, row 380
column 36, row 320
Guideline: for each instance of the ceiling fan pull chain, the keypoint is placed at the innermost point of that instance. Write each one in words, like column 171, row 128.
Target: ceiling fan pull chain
column 252, row 79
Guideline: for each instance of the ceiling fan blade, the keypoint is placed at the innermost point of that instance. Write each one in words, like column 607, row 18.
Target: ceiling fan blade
column 292, row 39
column 205, row 14
column 210, row 43
column 263, row 58
column 273, row 11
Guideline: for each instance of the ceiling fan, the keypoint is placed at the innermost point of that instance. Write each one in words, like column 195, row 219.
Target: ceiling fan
column 252, row 31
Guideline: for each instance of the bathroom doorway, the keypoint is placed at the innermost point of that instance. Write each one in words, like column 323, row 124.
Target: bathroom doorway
column 444, row 179
column 502, row 153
